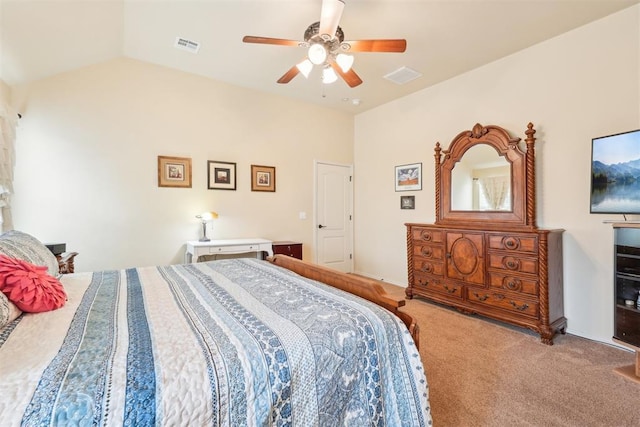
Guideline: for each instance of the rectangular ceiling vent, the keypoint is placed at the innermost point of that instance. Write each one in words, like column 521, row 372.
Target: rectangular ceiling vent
column 403, row 75
column 186, row 44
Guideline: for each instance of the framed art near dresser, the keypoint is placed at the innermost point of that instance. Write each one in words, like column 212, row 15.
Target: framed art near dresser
column 221, row 175
column 174, row 171
column 408, row 177
column 407, row 202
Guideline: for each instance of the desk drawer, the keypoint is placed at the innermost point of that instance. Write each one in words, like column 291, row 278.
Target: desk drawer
column 233, row 249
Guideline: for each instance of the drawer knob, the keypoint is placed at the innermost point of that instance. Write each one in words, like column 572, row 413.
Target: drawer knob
column 427, row 251
column 522, row 307
column 511, row 243
column 481, row 298
column 427, row 267
column 449, row 290
column 511, row 263
column 426, row 235
column 512, row 283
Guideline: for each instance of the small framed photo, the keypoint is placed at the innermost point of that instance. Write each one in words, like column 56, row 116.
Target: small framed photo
column 221, row 175
column 407, row 202
column 409, row 177
column 263, row 178
column 174, row 171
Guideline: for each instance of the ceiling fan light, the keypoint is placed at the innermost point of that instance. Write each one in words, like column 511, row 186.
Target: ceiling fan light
column 328, row 75
column 305, row 67
column 344, row 61
column 317, row 53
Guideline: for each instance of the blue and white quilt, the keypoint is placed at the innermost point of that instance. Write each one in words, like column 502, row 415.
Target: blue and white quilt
column 237, row 342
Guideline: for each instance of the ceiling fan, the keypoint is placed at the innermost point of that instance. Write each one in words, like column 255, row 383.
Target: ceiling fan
column 327, row 48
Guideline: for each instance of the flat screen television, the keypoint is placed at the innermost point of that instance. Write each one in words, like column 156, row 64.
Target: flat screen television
column 615, row 173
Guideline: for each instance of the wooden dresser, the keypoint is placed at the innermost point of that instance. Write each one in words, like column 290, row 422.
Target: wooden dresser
column 286, row 247
column 495, row 263
column 515, row 277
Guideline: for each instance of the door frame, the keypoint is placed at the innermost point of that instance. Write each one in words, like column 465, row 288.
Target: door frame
column 315, row 209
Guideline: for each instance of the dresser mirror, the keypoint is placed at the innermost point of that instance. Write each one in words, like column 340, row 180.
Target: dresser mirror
column 481, row 181
column 486, row 155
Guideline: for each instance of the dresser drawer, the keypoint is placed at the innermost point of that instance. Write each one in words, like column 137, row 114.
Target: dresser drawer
column 424, row 265
column 513, row 283
column 428, row 251
column 513, row 242
column 504, row 301
column 421, row 234
column 513, row 263
column 429, row 283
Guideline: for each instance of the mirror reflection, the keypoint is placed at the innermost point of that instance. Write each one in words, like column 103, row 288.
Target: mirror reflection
column 481, row 181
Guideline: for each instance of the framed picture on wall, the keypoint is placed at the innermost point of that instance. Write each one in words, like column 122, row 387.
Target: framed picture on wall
column 408, row 177
column 174, row 171
column 221, row 175
column 407, row 202
column 263, row 178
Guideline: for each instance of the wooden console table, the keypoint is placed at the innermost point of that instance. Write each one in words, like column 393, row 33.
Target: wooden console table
column 196, row 249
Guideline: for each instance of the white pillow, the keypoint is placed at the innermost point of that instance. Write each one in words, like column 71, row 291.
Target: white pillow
column 20, row 245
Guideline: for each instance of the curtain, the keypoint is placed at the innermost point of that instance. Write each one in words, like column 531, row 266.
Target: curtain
column 8, row 123
column 495, row 190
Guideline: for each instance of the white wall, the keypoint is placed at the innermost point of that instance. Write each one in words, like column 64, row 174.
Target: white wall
column 86, row 171
column 580, row 85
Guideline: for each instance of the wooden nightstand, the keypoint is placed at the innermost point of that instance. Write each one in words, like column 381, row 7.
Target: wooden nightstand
column 293, row 249
column 65, row 262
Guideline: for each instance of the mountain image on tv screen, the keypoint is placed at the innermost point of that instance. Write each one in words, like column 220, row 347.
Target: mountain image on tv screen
column 615, row 173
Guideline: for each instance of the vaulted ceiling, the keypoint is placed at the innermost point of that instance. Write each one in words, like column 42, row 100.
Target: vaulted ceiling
column 444, row 39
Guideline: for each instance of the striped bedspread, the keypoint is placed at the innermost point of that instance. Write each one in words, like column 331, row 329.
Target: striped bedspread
column 237, row 342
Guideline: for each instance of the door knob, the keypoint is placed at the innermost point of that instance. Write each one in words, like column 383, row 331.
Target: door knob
column 321, row 226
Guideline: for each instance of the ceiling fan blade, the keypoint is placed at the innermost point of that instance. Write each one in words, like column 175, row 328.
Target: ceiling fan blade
column 390, row 45
column 330, row 17
column 289, row 75
column 269, row 40
column 350, row 77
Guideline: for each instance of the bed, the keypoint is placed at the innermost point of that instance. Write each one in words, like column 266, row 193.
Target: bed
column 235, row 342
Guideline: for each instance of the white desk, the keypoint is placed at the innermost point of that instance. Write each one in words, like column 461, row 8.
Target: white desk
column 196, row 249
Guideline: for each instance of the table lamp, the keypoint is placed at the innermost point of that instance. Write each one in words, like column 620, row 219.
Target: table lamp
column 204, row 218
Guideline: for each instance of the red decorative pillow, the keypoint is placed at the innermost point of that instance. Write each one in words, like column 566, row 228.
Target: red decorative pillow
column 29, row 286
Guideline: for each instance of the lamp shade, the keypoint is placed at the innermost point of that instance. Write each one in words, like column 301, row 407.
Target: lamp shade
column 344, row 61
column 305, row 67
column 207, row 216
column 328, row 75
column 317, row 53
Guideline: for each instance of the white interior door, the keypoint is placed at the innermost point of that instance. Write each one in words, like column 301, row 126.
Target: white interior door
column 334, row 216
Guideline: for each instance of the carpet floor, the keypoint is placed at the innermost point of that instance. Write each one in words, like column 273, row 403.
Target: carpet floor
column 485, row 373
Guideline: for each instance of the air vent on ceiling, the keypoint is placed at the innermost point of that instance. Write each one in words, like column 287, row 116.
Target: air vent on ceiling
column 403, row 75
column 186, row 44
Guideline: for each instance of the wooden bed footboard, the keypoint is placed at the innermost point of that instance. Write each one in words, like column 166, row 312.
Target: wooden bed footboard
column 361, row 286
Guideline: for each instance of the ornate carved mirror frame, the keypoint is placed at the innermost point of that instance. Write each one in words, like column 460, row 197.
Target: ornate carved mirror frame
column 522, row 214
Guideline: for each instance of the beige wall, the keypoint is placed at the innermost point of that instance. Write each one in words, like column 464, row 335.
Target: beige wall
column 5, row 92
column 86, row 171
column 577, row 86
